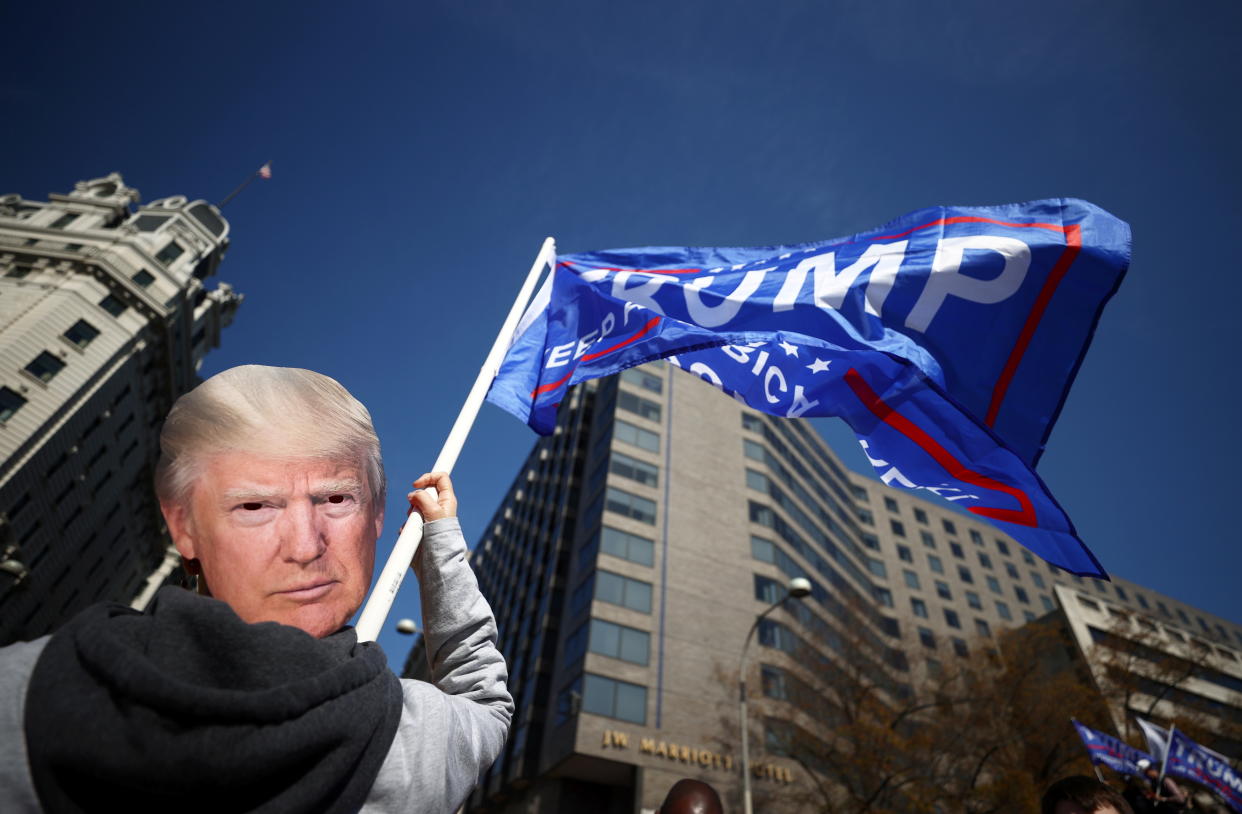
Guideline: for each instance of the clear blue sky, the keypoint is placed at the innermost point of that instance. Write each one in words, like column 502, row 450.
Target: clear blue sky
column 423, row 150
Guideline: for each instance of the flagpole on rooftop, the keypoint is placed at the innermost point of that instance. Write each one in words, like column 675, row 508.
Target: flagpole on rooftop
column 375, row 612
column 262, row 172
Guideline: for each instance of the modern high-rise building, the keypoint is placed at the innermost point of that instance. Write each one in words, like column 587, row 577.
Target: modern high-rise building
column 104, row 322
column 640, row 542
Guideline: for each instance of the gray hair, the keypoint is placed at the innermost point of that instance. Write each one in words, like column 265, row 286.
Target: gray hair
column 284, row 412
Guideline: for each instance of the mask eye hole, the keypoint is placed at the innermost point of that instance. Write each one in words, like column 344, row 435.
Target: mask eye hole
column 252, row 506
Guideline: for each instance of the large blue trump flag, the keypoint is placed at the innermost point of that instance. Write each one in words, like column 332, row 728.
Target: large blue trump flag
column 1115, row 754
column 946, row 339
column 1198, row 763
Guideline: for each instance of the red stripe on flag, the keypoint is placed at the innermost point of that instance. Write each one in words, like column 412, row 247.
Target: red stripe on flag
column 1024, row 516
column 1073, row 243
column 569, row 265
column 646, row 329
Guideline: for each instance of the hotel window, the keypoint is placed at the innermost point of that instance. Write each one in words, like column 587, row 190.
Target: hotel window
column 18, row 272
column 869, row 540
column 1002, row 547
column 620, row 642
column 981, row 627
column 170, row 253
column 877, row 567
column 994, row 585
column 10, row 402
column 1142, row 600
column 762, row 550
column 898, row 528
column 636, row 436
column 1028, row 616
column 1121, row 593
column 1022, row 597
column 964, row 574
column 81, row 333
column 774, row 634
column 951, row 619
column 143, row 278
column 927, row 638
column 928, row 539
column 957, row 551
column 45, row 366
column 64, row 220
column 638, row 405
column 858, row 492
column 891, row 505
column 1047, row 602
column 768, row 590
column 618, row 590
column 960, row 648
column 1088, row 603
column 912, row 579
column 645, row 380
column 627, row 546
column 933, row 562
column 1037, row 579
column 1003, row 610
column 632, row 506
column 634, row 469
column 942, row 590
column 976, row 537
column 1012, row 571
column 772, row 680
column 918, row 607
column 1028, row 557
column 614, row 699
column 904, row 554
column 113, row 305
column 865, row 516
column 753, row 450
column 973, row 600
column 882, row 595
column 751, row 422
column 920, row 516
column 949, row 528
column 985, row 560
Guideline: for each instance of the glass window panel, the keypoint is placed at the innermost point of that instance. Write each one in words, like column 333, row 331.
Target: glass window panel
column 10, row 402
column 638, row 405
column 45, row 366
column 605, row 638
column 81, row 333
column 113, row 305
column 598, row 695
column 631, row 703
column 635, row 645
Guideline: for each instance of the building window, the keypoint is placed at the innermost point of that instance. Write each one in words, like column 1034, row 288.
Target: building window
column 645, row 380
column 951, row 619
column 762, row 550
column 920, row 516
column 113, row 305
column 928, row 539
column 904, row 554
column 768, row 590
column 772, row 679
column 627, row 546
column 628, row 505
column 985, row 560
column 45, row 366
column 636, row 436
column 976, row 537
column 753, row 450
column 942, row 590
column 614, row 699
column 1003, row 610
column 774, row 634
column 618, row 590
column 1002, row 547
column 634, row 469
column 18, row 272
column 1012, row 571
column 1088, row 603
column 1047, row 603
column 949, row 528
column 898, row 527
column 1037, row 579
column 752, row 422
column 973, row 600
column 869, row 540
column 170, row 253
column 1142, row 600
column 865, row 516
column 927, row 638
column 882, row 595
column 1121, row 592
column 912, row 579
column 964, row 574
column 918, row 607
column 1028, row 558
column 620, row 642
column 981, row 627
column 1022, row 597
column 64, row 220
column 143, row 278
column 960, row 648
column 81, row 333
column 10, row 402
column 957, row 551
column 994, row 585
column 934, row 563
column 877, row 568
column 891, row 505
column 638, row 405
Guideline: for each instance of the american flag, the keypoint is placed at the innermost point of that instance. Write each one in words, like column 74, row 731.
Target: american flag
column 266, row 170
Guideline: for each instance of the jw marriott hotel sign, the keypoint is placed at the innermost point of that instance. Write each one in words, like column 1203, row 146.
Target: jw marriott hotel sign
column 681, row 753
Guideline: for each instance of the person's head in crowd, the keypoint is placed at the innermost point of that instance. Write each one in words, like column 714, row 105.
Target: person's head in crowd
column 272, row 485
column 1080, row 794
column 691, row 797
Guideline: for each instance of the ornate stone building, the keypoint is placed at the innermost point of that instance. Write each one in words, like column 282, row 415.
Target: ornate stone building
column 104, row 321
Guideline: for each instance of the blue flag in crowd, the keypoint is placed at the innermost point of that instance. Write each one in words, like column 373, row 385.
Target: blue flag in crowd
column 947, row 339
column 1191, row 761
column 1115, row 754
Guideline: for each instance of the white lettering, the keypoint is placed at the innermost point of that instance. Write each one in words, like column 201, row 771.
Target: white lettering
column 642, row 294
column 700, row 369
column 629, row 306
column 560, row 355
column 774, row 372
column 605, row 328
column 800, row 404
column 831, row 287
column 585, row 342
column 712, row 316
column 947, row 280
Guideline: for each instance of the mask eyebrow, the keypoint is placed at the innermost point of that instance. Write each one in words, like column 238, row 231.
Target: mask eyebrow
column 349, row 486
column 246, row 494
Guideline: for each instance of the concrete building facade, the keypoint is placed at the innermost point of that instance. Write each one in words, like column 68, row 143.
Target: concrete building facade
column 638, row 545
column 104, row 321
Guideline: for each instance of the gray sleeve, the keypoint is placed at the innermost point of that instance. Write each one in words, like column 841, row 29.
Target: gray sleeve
column 454, row 727
column 17, row 662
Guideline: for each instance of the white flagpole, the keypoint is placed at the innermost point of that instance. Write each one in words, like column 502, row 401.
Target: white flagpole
column 375, row 612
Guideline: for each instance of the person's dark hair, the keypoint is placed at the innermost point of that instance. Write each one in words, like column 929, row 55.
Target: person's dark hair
column 1087, row 792
column 691, row 797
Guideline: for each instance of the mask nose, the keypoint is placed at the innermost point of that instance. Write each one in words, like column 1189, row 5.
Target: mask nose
column 303, row 538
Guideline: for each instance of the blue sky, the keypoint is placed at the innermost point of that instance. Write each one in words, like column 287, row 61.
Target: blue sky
column 422, row 151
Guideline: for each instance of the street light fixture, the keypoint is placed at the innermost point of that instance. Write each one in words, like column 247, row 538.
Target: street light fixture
column 798, row 588
column 407, row 627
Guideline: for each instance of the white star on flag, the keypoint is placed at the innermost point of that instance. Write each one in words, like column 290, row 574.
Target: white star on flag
column 819, row 365
column 789, row 349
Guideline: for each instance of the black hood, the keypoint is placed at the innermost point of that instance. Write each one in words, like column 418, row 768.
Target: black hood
column 188, row 708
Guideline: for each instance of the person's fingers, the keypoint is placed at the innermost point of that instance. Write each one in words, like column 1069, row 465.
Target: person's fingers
column 443, row 484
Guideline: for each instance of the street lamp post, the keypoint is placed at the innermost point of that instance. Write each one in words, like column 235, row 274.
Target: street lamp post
column 798, row 588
